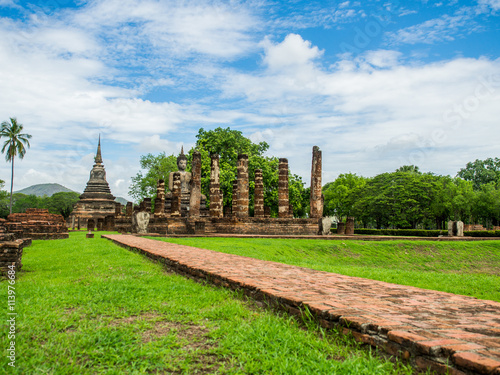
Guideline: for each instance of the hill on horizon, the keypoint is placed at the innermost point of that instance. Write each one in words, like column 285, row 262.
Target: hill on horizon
column 45, row 189
column 41, row 190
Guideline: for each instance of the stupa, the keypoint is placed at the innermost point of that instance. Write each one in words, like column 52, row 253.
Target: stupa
column 97, row 206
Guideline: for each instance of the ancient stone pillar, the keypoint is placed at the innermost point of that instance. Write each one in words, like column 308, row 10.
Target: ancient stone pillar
column 258, row 197
column 349, row 226
column 216, row 208
column 160, row 198
column 316, row 201
column 147, row 204
column 78, row 225
column 90, row 224
column 73, row 222
column 235, row 198
column 283, row 199
column 195, row 199
column 460, row 228
column 267, row 211
column 129, row 209
column 175, row 209
column 242, row 168
column 118, row 209
column 340, row 228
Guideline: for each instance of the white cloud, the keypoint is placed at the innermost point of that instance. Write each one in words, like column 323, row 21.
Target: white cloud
column 493, row 4
column 444, row 28
column 292, row 52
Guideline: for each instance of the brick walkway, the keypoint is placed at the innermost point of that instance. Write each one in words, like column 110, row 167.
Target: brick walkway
column 430, row 328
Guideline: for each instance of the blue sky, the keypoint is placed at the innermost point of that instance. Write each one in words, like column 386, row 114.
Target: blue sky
column 374, row 84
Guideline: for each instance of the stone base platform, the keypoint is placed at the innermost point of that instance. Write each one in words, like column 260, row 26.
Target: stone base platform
column 444, row 332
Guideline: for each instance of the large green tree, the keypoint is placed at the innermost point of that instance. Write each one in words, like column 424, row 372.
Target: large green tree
column 481, row 172
column 342, row 194
column 62, row 203
column 13, row 146
column 157, row 167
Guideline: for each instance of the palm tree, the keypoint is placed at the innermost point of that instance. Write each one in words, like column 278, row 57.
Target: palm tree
column 14, row 145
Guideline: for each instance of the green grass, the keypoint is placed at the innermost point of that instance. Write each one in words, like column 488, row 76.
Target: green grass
column 87, row 306
column 467, row 268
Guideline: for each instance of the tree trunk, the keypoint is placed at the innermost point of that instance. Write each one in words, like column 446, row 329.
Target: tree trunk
column 11, row 185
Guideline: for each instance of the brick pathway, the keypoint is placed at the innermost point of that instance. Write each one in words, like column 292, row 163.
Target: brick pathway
column 430, row 328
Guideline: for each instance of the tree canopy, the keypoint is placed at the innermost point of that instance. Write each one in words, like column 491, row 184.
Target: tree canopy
column 14, row 145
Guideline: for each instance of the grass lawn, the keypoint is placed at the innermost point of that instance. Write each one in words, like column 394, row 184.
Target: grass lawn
column 467, row 268
column 87, row 306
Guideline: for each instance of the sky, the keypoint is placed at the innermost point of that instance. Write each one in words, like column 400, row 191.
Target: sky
column 375, row 84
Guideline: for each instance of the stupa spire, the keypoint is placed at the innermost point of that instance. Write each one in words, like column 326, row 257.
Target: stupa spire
column 98, row 157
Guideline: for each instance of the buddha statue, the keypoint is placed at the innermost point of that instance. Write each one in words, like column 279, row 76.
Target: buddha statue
column 185, row 176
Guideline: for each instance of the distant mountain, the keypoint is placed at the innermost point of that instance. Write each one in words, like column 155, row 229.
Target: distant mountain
column 45, row 189
column 121, row 200
column 50, row 189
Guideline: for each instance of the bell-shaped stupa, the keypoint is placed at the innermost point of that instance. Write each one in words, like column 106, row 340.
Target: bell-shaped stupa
column 97, row 206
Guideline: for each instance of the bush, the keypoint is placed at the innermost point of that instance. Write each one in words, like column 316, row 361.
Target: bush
column 401, row 232
column 482, row 233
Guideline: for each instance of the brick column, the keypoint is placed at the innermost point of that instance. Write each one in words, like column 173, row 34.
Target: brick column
column 242, row 205
column 340, row 228
column 258, row 194
column 349, row 226
column 129, row 209
column 283, row 199
column 234, row 204
column 195, row 199
column 216, row 209
column 160, row 198
column 316, row 201
column 175, row 209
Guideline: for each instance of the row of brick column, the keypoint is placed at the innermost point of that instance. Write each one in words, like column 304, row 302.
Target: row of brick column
column 240, row 206
column 240, row 192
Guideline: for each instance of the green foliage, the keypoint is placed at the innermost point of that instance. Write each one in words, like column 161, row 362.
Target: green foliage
column 62, row 203
column 157, row 167
column 342, row 194
column 407, row 199
column 91, row 307
column 482, row 233
column 481, row 172
column 4, row 202
column 13, row 146
column 400, row 232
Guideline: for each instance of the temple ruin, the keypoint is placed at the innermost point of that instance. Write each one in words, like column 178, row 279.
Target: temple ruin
column 96, row 208
column 183, row 209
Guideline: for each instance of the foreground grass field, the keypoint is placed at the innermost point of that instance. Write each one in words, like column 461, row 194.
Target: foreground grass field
column 87, row 306
column 467, row 268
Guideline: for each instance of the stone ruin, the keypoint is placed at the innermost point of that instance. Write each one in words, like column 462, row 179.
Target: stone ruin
column 96, row 208
column 37, row 224
column 455, row 229
column 183, row 210
column 11, row 249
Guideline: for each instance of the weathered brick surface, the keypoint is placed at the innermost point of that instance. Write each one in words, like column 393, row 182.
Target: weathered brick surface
column 216, row 204
column 417, row 324
column 37, row 224
column 316, row 201
column 258, row 194
column 283, row 198
column 243, row 187
column 195, row 198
